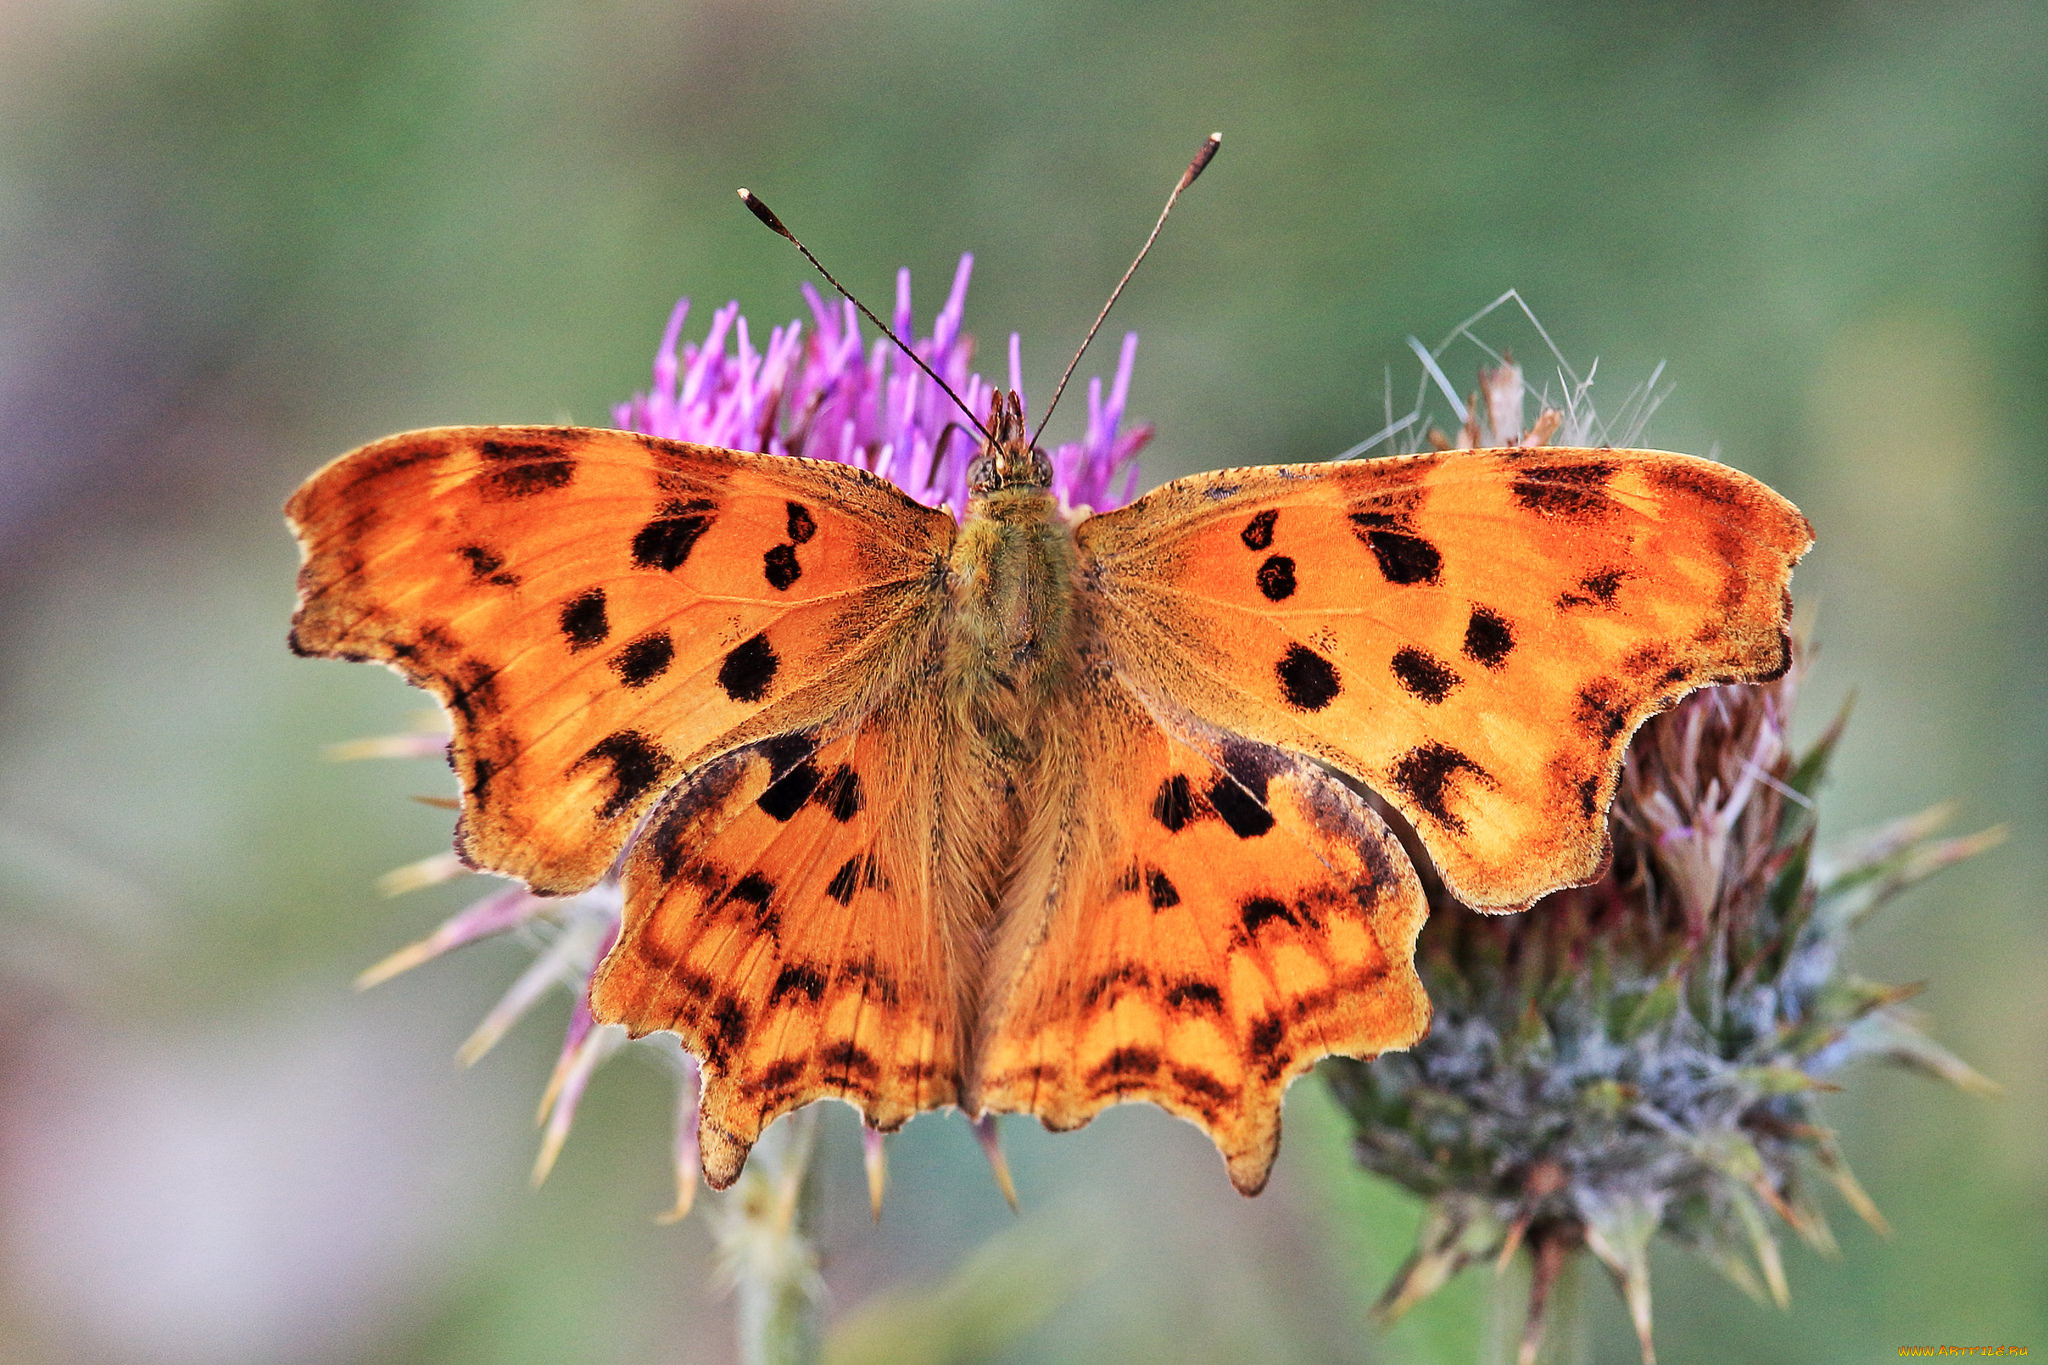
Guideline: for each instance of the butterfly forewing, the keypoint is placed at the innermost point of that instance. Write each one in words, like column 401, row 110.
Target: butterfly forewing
column 600, row 611
column 1474, row 634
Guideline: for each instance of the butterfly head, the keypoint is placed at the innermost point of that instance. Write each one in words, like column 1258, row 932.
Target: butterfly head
column 1009, row 460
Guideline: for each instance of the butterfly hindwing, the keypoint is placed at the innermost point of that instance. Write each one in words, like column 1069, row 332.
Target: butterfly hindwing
column 599, row 611
column 1474, row 634
column 779, row 918
column 1215, row 915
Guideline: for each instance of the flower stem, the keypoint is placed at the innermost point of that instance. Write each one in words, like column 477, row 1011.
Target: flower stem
column 1506, row 1337
column 765, row 1243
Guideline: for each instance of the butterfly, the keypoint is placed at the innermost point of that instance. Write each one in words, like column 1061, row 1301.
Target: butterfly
column 1035, row 810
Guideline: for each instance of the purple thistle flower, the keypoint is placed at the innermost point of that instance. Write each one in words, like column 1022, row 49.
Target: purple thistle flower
column 828, row 396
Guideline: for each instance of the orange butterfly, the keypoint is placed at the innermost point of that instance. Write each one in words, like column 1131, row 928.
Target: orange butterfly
column 1037, row 811
column 1034, row 811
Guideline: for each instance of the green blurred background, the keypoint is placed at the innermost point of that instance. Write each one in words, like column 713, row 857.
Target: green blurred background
column 240, row 236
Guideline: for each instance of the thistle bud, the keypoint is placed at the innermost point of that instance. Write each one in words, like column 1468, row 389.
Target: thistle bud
column 1640, row 1056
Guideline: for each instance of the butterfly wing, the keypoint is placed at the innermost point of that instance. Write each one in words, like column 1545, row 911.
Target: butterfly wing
column 1212, row 917
column 779, row 918
column 1473, row 634
column 600, row 612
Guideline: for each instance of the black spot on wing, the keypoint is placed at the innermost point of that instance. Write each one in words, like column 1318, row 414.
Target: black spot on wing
column 665, row 542
column 785, row 795
column 481, row 771
column 841, row 794
column 1123, row 1068
column 645, row 659
column 727, row 1032
column 488, row 566
column 1276, row 578
column 868, row 975
column 637, row 763
column 1308, row 681
column 755, row 889
column 780, row 1077
column 1246, row 817
column 1570, row 491
column 1424, row 675
column 784, row 752
column 779, row 567
column 472, row 688
column 1595, row 589
column 1238, row 794
column 1174, row 805
column 1259, row 911
column 1384, row 514
column 499, row 449
column 1258, row 532
column 1589, row 794
column 848, row 1065
column 1193, row 994
column 1489, row 639
column 1602, row 710
column 1162, row 893
column 1112, row 982
column 845, row 881
column 749, row 671
column 522, row 469
column 1251, row 765
column 583, row 621
column 801, row 525
column 1204, row 1091
column 1424, row 776
column 1404, row 557
column 1264, row 1042
column 752, row 889
column 798, row 978
column 1604, row 585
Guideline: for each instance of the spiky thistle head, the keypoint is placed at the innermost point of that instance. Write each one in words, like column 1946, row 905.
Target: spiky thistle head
column 1641, row 1056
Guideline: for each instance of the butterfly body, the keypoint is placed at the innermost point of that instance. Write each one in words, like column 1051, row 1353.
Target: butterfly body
column 1004, row 647
column 1038, row 811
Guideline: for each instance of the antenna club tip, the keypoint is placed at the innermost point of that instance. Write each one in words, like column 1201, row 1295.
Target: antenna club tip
column 763, row 212
column 1203, row 157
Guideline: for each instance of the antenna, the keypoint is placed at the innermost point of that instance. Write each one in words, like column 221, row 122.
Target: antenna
column 1203, row 156
column 767, row 216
